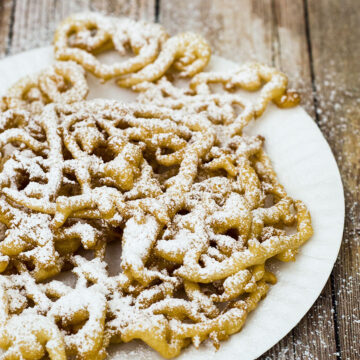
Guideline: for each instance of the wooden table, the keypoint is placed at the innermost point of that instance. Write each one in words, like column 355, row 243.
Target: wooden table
column 317, row 43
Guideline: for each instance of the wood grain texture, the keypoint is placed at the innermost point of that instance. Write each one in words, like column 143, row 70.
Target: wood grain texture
column 219, row 21
column 315, row 335
column 316, row 42
column 334, row 35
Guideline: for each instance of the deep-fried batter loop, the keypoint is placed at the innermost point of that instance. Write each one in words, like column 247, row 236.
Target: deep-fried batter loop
column 63, row 82
column 80, row 37
column 188, row 52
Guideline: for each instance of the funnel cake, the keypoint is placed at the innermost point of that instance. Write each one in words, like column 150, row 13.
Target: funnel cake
column 189, row 209
column 194, row 202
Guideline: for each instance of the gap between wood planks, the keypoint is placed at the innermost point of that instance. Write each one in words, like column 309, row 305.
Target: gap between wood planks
column 157, row 10
column 11, row 29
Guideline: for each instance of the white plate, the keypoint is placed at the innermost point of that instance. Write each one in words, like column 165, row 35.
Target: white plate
column 305, row 165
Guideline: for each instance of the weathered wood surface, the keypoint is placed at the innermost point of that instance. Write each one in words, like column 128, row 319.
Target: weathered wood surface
column 316, row 42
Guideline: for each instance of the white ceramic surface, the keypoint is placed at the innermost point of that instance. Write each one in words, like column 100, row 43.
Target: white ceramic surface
column 306, row 167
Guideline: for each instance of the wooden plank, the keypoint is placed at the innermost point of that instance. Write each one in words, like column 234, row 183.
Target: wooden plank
column 334, row 35
column 290, row 48
column 314, row 337
column 35, row 20
column 240, row 32
column 6, row 8
column 274, row 33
